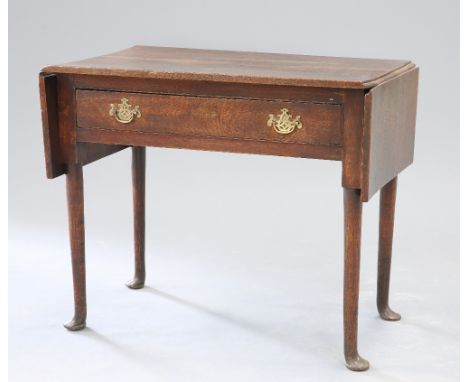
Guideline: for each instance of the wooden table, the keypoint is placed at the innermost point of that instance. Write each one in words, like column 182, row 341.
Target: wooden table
column 358, row 111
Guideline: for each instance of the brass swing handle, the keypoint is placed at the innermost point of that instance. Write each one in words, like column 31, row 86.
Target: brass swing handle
column 123, row 112
column 284, row 123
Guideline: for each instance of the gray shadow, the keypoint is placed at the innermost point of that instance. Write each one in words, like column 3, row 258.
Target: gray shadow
column 307, row 344
column 139, row 357
column 431, row 329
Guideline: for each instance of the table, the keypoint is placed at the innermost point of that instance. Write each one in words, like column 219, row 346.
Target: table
column 361, row 112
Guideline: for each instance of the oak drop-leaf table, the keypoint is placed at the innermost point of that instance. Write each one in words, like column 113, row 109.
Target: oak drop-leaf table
column 361, row 112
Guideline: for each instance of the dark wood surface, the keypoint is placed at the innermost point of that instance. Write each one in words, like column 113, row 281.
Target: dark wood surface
column 352, row 259
column 352, row 139
column 90, row 152
column 358, row 111
column 55, row 166
column 138, row 185
column 387, row 218
column 75, row 201
column 69, row 149
column 238, row 67
column 136, row 138
column 211, row 117
column 389, row 131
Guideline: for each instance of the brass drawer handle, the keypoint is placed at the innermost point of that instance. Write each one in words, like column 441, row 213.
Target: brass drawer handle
column 124, row 112
column 284, row 123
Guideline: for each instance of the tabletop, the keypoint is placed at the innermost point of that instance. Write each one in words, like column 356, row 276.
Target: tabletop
column 239, row 67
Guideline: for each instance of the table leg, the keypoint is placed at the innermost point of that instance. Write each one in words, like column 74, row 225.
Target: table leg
column 138, row 180
column 387, row 216
column 77, row 244
column 352, row 245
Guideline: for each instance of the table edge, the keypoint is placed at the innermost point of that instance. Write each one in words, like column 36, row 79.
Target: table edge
column 252, row 80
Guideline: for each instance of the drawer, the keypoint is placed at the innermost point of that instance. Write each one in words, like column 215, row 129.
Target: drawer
column 211, row 117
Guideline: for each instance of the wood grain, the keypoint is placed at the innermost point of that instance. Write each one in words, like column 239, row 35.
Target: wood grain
column 352, row 259
column 386, row 222
column 50, row 128
column 238, row 67
column 138, row 185
column 66, row 119
column 211, row 117
column 75, row 200
column 353, row 108
column 245, row 146
column 389, row 131
column 91, row 152
column 209, row 89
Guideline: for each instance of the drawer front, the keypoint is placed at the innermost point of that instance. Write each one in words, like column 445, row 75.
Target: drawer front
column 197, row 116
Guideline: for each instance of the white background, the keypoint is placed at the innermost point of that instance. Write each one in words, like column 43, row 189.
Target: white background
column 244, row 252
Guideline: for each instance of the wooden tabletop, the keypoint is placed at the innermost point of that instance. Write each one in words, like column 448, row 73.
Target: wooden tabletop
column 239, row 67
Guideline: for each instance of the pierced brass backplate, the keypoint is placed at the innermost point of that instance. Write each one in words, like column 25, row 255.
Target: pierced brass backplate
column 284, row 123
column 124, row 112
